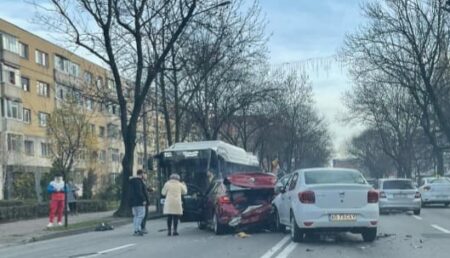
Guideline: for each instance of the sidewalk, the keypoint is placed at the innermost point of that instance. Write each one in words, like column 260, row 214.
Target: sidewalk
column 24, row 231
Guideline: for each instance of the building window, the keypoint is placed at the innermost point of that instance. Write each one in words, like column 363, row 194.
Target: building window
column 115, row 156
column 23, row 50
column 10, row 43
column 29, row 148
column 89, row 104
column 113, row 131
column 45, row 149
column 14, row 109
column 111, row 84
column 92, row 129
column 25, row 83
column 41, row 58
column 27, row 115
column 88, row 77
column 43, row 89
column 43, row 119
column 11, row 75
column 102, row 155
column 99, row 82
column 15, row 143
column 101, row 131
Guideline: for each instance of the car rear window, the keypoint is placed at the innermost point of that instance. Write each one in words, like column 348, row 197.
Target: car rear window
column 440, row 181
column 397, row 184
column 334, row 177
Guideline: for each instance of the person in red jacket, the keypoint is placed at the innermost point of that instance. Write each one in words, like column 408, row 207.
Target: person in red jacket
column 56, row 191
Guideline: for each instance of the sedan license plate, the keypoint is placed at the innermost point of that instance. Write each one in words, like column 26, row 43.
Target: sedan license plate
column 400, row 196
column 342, row 217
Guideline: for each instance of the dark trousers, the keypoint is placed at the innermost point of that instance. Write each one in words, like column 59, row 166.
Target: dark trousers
column 73, row 207
column 172, row 219
column 144, row 220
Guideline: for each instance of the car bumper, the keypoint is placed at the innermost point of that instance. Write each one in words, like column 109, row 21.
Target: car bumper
column 435, row 198
column 400, row 204
column 366, row 217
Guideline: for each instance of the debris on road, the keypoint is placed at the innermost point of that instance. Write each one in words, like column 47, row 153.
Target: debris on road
column 104, row 227
column 242, row 235
column 385, row 235
column 309, row 250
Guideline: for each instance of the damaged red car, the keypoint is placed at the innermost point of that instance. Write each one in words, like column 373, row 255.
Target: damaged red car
column 226, row 187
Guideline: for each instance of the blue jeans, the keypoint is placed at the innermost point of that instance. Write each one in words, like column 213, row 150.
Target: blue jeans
column 138, row 215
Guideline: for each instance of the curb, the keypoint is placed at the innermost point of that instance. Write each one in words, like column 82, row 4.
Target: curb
column 115, row 224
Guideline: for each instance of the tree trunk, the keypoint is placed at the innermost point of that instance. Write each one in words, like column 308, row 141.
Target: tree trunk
column 162, row 85
column 439, row 155
column 127, row 165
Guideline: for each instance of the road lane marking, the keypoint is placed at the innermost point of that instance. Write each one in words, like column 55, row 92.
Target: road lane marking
column 108, row 251
column 276, row 247
column 441, row 229
column 417, row 217
column 287, row 251
column 115, row 249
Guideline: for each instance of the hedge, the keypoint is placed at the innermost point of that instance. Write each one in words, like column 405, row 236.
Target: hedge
column 9, row 203
column 41, row 210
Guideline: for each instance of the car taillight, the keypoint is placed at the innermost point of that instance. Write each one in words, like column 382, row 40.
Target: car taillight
column 307, row 197
column 224, row 200
column 372, row 196
column 427, row 188
column 417, row 196
column 382, row 195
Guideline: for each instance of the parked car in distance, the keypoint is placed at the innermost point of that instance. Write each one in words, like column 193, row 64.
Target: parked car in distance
column 399, row 194
column 326, row 200
column 435, row 191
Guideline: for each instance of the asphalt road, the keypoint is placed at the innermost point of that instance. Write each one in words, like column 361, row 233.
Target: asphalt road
column 400, row 235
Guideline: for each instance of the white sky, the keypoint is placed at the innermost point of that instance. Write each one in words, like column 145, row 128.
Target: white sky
column 301, row 30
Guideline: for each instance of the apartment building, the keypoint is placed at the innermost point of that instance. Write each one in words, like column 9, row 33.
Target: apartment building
column 37, row 75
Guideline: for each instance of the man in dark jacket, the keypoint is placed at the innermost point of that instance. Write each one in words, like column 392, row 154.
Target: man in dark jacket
column 138, row 201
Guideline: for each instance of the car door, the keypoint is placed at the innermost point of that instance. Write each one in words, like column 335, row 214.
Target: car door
column 193, row 204
column 286, row 198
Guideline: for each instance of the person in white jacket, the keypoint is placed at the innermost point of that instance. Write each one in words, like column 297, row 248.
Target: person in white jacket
column 173, row 206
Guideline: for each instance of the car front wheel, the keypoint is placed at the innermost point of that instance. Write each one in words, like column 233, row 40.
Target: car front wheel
column 369, row 235
column 278, row 226
column 417, row 212
column 297, row 234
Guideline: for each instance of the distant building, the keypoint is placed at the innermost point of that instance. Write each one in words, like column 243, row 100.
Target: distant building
column 35, row 77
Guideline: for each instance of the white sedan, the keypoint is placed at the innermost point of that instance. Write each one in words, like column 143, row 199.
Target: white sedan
column 324, row 200
column 435, row 191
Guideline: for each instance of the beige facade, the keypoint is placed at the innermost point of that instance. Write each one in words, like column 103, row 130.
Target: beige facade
column 36, row 75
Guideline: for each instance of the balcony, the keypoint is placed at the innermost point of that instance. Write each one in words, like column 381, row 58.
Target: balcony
column 9, row 58
column 67, row 79
column 10, row 90
column 11, row 125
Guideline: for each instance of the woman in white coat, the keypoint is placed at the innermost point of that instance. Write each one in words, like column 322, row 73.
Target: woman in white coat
column 173, row 206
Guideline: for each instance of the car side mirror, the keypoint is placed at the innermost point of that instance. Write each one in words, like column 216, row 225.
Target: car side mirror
column 282, row 189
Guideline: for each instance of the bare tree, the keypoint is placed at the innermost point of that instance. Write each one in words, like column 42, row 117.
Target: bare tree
column 367, row 148
column 296, row 134
column 128, row 36
column 408, row 42
column 69, row 136
column 391, row 111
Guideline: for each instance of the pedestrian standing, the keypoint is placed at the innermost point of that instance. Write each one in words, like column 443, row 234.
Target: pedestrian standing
column 72, row 190
column 144, row 220
column 56, row 191
column 138, row 201
column 173, row 206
